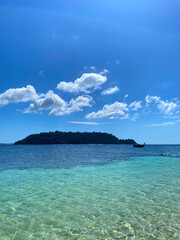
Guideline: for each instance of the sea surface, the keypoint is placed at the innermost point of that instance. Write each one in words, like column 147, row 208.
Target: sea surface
column 89, row 192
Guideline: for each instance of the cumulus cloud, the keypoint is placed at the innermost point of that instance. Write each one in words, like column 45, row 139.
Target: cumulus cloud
column 110, row 111
column 58, row 106
column 150, row 99
column 87, row 82
column 110, row 91
column 50, row 102
column 15, row 95
column 135, row 105
column 76, row 105
column 165, row 107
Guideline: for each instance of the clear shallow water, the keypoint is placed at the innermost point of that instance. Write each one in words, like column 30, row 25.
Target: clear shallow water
column 89, row 192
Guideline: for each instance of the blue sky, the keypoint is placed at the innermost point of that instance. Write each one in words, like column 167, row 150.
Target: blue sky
column 107, row 65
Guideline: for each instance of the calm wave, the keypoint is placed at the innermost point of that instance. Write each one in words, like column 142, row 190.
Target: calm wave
column 89, row 192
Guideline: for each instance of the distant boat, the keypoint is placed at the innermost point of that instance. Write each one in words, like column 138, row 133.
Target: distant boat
column 138, row 145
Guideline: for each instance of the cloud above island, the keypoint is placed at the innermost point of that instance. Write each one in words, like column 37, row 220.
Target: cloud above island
column 50, row 102
column 135, row 105
column 166, row 107
column 76, row 105
column 16, row 95
column 58, row 106
column 86, row 83
column 110, row 111
column 110, row 91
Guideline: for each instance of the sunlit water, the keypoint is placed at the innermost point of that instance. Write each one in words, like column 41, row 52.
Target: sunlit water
column 89, row 192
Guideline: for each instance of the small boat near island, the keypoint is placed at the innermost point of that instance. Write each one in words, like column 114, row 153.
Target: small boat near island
column 138, row 145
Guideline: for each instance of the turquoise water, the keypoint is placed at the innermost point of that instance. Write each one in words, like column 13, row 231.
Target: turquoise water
column 89, row 192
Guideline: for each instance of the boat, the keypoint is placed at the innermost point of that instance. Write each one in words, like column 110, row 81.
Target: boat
column 138, row 145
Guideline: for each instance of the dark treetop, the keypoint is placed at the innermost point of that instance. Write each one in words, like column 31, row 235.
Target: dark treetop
column 74, row 138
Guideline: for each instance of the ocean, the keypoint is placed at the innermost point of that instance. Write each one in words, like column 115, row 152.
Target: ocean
column 89, row 192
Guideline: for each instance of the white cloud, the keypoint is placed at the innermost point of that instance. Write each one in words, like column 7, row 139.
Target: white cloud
column 167, row 107
column 126, row 116
column 104, row 72
column 135, row 105
column 135, row 117
column 15, row 95
column 50, row 102
column 110, row 111
column 90, row 68
column 150, row 99
column 93, row 68
column 110, row 91
column 84, row 123
column 76, row 105
column 163, row 124
column 126, row 96
column 58, row 106
column 84, row 83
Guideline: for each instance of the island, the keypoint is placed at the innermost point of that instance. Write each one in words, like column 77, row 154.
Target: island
column 73, row 138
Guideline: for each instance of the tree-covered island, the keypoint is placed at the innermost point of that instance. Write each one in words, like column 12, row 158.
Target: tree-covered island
column 73, row 138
